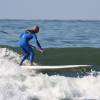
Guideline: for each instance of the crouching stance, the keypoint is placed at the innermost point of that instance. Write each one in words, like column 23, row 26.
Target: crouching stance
column 27, row 50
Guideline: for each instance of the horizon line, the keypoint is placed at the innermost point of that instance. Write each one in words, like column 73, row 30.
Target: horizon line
column 52, row 19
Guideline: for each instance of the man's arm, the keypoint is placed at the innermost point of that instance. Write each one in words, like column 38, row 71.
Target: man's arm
column 20, row 35
column 37, row 42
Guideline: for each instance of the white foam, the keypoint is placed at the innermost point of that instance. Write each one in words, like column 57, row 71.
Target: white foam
column 18, row 84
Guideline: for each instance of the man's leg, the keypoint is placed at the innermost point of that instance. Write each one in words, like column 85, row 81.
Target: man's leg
column 25, row 55
column 32, row 55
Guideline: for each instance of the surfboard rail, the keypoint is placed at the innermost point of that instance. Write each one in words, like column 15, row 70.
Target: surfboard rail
column 56, row 67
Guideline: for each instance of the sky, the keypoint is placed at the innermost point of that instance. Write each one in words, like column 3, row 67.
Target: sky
column 50, row 9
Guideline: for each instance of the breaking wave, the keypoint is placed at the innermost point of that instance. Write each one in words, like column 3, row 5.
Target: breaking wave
column 20, row 84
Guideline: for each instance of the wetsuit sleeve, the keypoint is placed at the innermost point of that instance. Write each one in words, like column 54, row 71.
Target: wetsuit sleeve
column 37, row 42
column 21, row 34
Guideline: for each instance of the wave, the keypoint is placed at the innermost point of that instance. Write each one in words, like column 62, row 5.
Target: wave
column 21, row 84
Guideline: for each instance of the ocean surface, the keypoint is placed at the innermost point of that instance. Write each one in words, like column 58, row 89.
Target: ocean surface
column 53, row 33
column 20, row 84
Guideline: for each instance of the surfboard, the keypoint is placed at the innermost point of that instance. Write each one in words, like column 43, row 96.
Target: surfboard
column 57, row 67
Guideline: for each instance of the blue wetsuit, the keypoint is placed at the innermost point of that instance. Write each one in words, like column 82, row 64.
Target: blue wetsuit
column 27, row 50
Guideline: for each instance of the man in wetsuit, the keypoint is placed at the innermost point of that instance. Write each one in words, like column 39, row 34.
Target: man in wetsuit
column 27, row 50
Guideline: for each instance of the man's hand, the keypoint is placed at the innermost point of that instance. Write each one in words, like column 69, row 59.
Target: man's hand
column 41, row 50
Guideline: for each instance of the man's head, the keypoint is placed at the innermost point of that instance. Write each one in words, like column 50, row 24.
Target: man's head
column 35, row 28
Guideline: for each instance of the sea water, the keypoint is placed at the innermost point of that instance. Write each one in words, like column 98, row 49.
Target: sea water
column 53, row 33
column 19, row 84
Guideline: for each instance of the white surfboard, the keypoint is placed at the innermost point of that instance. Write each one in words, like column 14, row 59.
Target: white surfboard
column 59, row 67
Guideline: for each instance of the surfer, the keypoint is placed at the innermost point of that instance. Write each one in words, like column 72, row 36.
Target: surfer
column 27, row 50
